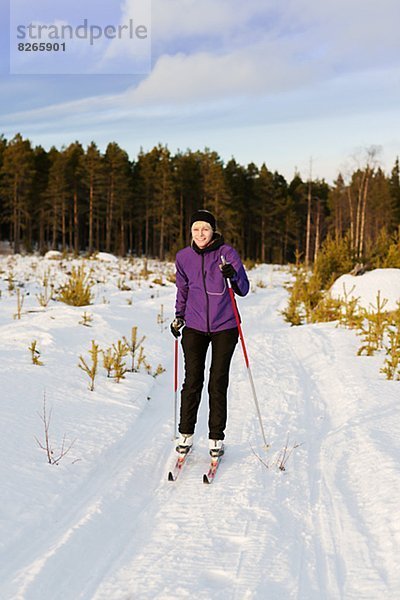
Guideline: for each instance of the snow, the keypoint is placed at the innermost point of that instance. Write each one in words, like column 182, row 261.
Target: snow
column 366, row 287
column 106, row 524
column 106, row 257
column 53, row 255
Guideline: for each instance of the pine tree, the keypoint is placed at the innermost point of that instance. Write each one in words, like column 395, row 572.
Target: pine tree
column 215, row 193
column 338, row 207
column 94, row 181
column 57, row 194
column 119, row 195
column 264, row 212
column 394, row 187
column 17, row 175
column 298, row 193
column 237, row 181
column 188, row 190
column 3, row 146
column 74, row 154
column 38, row 210
column 165, row 205
column 144, row 181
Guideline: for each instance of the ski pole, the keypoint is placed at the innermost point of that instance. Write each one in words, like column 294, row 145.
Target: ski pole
column 245, row 355
column 175, row 387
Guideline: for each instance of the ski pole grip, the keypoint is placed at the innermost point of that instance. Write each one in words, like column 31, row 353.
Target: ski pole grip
column 228, row 281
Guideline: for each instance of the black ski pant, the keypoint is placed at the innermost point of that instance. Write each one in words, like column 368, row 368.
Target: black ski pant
column 195, row 345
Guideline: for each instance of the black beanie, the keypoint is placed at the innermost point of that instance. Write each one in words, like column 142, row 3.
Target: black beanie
column 204, row 215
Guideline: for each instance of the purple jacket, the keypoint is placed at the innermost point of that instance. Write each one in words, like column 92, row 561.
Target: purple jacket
column 202, row 297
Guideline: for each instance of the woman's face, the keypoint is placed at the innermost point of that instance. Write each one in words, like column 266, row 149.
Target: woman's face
column 202, row 233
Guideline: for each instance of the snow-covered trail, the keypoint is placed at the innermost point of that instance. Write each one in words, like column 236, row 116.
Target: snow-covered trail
column 322, row 529
column 310, row 533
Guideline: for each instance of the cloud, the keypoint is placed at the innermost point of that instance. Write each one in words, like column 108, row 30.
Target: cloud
column 342, row 34
column 221, row 65
column 354, row 30
column 202, row 78
column 191, row 18
column 207, row 77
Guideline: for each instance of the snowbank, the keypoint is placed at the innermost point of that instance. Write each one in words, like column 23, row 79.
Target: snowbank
column 106, row 257
column 366, row 287
column 53, row 255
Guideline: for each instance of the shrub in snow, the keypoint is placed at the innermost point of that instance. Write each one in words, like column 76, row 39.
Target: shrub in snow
column 20, row 303
column 48, row 292
column 114, row 358
column 120, row 351
column 374, row 330
column 133, row 346
column 11, row 281
column 77, row 290
column 35, row 354
column 108, row 360
column 90, row 370
column 87, row 318
column 160, row 317
column 391, row 367
column 145, row 272
column 334, row 259
column 305, row 295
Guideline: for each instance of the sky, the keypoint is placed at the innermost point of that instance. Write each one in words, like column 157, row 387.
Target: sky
column 301, row 85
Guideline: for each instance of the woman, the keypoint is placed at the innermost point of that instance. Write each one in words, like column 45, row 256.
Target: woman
column 204, row 310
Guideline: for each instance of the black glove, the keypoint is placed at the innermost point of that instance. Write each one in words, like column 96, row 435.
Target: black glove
column 176, row 325
column 228, row 271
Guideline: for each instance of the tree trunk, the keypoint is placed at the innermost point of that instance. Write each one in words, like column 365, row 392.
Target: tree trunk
column 317, row 234
column 110, row 214
column 91, row 193
column 263, row 239
column 16, row 220
column 352, row 224
column 363, row 211
column 308, row 227
column 76, row 224
column 63, row 228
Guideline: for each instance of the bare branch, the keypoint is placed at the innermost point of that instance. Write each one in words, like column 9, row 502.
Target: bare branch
column 46, row 446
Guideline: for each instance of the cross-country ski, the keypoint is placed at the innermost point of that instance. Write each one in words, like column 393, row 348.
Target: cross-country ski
column 212, row 471
column 178, row 465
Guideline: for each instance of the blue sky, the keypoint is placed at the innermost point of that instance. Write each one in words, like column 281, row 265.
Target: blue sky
column 278, row 82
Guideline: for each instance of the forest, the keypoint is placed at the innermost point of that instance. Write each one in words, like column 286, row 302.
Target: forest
column 77, row 199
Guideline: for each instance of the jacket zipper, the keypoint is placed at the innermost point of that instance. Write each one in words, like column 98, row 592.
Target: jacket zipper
column 205, row 291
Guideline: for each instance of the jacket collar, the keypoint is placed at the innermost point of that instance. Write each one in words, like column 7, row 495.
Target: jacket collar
column 216, row 242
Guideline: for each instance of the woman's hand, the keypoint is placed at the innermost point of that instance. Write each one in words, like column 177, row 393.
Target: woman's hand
column 176, row 325
column 227, row 270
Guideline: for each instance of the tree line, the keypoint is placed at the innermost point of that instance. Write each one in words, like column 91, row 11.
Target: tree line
column 79, row 199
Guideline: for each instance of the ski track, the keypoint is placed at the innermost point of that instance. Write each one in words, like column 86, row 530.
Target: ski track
column 321, row 530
